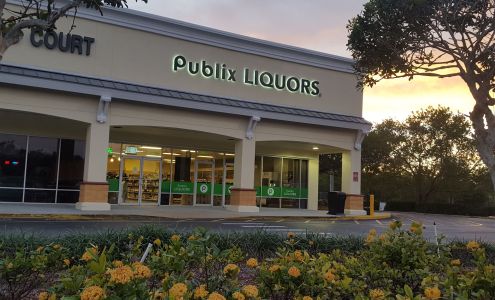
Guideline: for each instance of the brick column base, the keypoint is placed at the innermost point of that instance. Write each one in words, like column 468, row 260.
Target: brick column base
column 243, row 200
column 354, row 205
column 93, row 196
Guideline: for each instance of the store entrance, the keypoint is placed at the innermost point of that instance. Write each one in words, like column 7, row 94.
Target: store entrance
column 203, row 182
column 140, row 180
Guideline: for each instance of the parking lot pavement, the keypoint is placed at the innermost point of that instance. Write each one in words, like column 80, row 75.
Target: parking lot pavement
column 452, row 227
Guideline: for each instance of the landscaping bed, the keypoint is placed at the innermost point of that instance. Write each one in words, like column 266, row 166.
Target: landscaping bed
column 153, row 263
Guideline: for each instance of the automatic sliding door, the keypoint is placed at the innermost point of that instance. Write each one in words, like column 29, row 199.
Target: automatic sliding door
column 150, row 181
column 203, row 183
column 131, row 174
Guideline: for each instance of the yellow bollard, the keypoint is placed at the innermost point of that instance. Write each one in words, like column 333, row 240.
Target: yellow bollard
column 372, row 204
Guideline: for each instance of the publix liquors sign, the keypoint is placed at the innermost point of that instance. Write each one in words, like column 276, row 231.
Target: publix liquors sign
column 248, row 76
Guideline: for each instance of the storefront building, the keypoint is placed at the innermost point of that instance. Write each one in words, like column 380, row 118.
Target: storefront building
column 134, row 109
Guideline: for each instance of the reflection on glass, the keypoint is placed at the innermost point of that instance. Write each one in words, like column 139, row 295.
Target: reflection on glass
column 166, row 176
column 42, row 163
column 183, row 176
column 150, row 183
column 71, row 167
column 67, row 196
column 39, row 196
column 271, row 181
column 204, row 188
column 11, row 195
column 114, row 157
column 12, row 159
column 130, row 180
column 291, row 183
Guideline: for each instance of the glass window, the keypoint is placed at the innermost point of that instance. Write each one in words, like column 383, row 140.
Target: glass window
column 114, row 154
column 139, row 150
column 10, row 195
column 183, row 176
column 12, row 160
column 271, row 181
column 166, row 176
column 67, row 196
column 42, row 163
column 290, row 183
column 39, row 196
column 71, row 167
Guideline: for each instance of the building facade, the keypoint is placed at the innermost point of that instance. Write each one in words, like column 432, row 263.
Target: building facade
column 134, row 109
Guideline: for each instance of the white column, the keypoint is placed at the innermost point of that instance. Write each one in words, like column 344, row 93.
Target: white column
column 95, row 162
column 313, row 174
column 243, row 195
column 244, row 164
column 351, row 166
column 94, row 189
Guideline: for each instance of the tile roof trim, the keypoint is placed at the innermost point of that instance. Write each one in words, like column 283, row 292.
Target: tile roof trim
column 44, row 79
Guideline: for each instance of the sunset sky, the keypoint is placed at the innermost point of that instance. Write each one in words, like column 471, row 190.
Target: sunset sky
column 318, row 25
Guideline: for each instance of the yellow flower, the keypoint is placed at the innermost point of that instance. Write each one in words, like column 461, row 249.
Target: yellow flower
column 192, row 237
column 371, row 236
column 274, row 268
column 158, row 295
column 395, row 224
column 311, row 243
column 10, row 265
column 432, row 293
column 455, row 262
column 216, row 296
column 231, row 269
column 43, row 296
column 291, row 235
column 117, row 263
column 67, row 262
column 178, row 290
column 93, row 293
column 294, row 272
column 298, row 255
column 250, row 291
column 141, row 271
column 57, row 246
column 238, row 296
column 377, row 294
column 200, row 292
column 121, row 275
column 307, row 298
column 329, row 276
column 157, row 242
column 252, row 263
column 39, row 249
column 89, row 254
column 472, row 245
column 175, row 238
column 416, row 228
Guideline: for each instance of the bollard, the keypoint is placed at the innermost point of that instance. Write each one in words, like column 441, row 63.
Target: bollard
column 372, row 204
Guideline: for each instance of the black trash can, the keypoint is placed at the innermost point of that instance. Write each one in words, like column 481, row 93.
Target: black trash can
column 336, row 203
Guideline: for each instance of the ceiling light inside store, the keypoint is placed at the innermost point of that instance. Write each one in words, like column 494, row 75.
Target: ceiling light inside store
column 205, row 156
column 229, row 154
column 316, row 148
column 150, row 155
column 151, row 148
column 112, row 160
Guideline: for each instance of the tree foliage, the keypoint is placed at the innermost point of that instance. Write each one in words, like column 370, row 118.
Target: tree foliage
column 435, row 38
column 429, row 155
column 41, row 14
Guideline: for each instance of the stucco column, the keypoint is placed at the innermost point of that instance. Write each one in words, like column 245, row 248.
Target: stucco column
column 351, row 182
column 243, row 194
column 94, row 189
column 313, row 174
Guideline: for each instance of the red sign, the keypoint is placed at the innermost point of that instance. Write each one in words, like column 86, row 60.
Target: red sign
column 355, row 176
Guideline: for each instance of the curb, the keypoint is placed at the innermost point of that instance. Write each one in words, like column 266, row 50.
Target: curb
column 75, row 217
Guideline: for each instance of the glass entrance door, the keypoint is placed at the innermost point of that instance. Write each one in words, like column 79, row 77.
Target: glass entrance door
column 140, row 180
column 203, row 182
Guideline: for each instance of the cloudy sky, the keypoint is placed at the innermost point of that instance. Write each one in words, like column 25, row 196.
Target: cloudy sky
column 318, row 25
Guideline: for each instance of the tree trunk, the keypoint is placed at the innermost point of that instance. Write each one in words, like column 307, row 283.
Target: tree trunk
column 483, row 122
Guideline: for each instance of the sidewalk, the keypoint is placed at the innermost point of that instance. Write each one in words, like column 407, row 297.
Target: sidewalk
column 68, row 211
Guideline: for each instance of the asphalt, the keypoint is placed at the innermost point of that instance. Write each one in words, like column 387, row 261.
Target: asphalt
column 452, row 227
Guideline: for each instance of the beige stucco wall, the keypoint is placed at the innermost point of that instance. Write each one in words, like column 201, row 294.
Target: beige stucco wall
column 146, row 58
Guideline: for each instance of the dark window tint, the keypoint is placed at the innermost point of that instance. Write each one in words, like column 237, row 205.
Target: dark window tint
column 10, row 195
column 12, row 159
column 67, row 197
column 71, row 164
column 39, row 196
column 42, row 163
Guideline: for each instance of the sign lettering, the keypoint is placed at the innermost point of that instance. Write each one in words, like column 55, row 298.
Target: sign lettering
column 72, row 43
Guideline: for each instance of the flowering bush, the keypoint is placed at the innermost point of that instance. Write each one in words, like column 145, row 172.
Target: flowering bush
column 398, row 264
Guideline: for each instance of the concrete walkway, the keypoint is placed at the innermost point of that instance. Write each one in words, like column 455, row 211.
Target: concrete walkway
column 175, row 212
